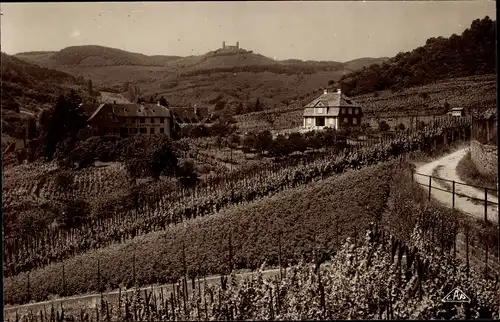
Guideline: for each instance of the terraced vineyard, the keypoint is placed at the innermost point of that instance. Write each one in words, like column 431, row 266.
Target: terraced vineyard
column 162, row 207
column 38, row 182
column 467, row 92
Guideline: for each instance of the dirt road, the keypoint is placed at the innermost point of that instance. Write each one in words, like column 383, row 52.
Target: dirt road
column 90, row 300
column 447, row 169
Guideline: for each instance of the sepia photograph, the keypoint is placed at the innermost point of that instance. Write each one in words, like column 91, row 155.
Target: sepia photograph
column 249, row 160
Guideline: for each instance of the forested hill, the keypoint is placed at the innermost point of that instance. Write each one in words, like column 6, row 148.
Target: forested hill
column 28, row 85
column 471, row 53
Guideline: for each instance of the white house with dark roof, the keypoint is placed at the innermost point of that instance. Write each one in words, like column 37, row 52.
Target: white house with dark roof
column 332, row 109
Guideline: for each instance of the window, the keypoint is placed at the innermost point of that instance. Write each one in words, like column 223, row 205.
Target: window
column 354, row 121
column 162, row 130
column 135, row 130
column 309, row 120
column 142, row 130
column 152, row 130
column 356, row 110
column 320, row 121
column 319, row 110
column 346, row 120
column 161, row 120
column 152, row 120
column 349, row 110
column 142, row 120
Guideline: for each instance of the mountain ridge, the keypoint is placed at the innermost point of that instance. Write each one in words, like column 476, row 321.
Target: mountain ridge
column 75, row 55
column 230, row 75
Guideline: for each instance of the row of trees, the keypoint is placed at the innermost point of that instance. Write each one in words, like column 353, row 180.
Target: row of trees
column 263, row 142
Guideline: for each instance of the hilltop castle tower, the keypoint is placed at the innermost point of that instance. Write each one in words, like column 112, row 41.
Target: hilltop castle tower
column 231, row 47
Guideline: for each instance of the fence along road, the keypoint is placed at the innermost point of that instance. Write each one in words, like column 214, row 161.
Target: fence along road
column 442, row 188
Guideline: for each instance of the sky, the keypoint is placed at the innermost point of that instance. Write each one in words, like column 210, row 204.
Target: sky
column 308, row 30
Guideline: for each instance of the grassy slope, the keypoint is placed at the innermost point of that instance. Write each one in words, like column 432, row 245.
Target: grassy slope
column 468, row 172
column 307, row 218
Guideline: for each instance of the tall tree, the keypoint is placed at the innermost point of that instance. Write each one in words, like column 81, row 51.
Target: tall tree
column 31, row 130
column 89, row 85
column 63, row 121
column 163, row 101
column 258, row 106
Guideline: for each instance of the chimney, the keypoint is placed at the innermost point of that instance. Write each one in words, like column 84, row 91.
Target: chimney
column 223, row 45
column 237, row 45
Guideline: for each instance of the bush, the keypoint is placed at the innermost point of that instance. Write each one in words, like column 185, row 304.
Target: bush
column 281, row 147
column 383, row 126
column 75, row 213
column 297, row 141
column 263, row 141
column 249, row 142
column 64, row 180
column 186, row 172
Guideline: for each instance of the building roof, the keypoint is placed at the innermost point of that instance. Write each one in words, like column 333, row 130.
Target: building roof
column 190, row 114
column 96, row 112
column 134, row 110
column 333, row 99
column 89, row 108
column 330, row 111
column 140, row 110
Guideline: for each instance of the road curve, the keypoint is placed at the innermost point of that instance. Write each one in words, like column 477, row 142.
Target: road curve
column 446, row 166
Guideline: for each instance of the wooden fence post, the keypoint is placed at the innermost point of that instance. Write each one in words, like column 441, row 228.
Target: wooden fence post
column 99, row 275
column 486, row 263
column 430, row 185
column 63, row 280
column 29, row 291
column 486, row 204
column 453, row 195
column 467, row 249
column 133, row 268
column 279, row 253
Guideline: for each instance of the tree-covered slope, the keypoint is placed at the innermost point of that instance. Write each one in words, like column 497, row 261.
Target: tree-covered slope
column 471, row 53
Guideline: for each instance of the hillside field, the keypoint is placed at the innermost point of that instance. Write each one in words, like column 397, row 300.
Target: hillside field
column 241, row 76
column 424, row 102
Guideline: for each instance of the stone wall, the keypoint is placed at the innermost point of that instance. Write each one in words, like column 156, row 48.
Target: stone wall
column 485, row 158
